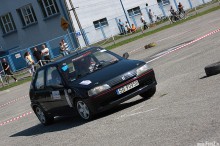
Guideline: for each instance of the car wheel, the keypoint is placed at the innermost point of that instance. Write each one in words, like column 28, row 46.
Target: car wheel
column 83, row 110
column 212, row 69
column 43, row 117
column 149, row 93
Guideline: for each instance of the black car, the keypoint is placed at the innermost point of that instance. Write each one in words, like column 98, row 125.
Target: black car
column 88, row 82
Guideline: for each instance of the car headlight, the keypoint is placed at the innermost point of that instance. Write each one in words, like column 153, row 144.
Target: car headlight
column 98, row 89
column 142, row 69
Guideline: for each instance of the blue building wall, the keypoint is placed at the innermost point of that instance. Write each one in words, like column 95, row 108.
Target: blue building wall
column 42, row 31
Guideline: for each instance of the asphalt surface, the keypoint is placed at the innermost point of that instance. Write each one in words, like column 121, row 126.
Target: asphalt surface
column 184, row 111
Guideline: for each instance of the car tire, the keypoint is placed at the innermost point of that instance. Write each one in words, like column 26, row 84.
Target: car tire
column 149, row 93
column 43, row 117
column 83, row 110
column 212, row 69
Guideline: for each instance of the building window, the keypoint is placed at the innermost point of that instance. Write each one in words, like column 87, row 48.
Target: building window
column 101, row 22
column 27, row 15
column 134, row 11
column 48, row 7
column 7, row 23
column 164, row 2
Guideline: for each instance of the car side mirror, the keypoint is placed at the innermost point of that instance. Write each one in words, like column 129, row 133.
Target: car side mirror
column 125, row 55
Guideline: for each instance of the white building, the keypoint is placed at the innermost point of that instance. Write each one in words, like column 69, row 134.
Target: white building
column 93, row 14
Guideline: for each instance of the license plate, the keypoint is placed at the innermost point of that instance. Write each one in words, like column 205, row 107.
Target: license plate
column 127, row 87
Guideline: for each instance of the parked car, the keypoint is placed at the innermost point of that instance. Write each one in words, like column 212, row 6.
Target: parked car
column 88, row 82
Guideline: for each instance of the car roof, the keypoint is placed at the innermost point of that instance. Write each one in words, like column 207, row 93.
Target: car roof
column 76, row 53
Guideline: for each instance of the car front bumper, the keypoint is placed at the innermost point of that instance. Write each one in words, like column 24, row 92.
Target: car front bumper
column 110, row 98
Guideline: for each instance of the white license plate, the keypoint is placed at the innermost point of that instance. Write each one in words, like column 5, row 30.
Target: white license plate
column 127, row 87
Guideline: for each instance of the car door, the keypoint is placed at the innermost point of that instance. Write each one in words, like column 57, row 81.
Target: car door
column 57, row 99
column 39, row 89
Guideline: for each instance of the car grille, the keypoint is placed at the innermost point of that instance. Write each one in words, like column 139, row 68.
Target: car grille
column 112, row 96
column 121, row 79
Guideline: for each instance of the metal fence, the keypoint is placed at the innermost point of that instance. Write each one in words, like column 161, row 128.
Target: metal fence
column 16, row 59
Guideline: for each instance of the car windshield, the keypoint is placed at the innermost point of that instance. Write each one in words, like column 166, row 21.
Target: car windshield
column 87, row 63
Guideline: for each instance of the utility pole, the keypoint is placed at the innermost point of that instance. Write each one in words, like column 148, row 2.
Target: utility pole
column 71, row 21
column 78, row 22
column 125, row 12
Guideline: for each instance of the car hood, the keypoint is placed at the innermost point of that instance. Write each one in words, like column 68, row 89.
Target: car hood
column 106, row 74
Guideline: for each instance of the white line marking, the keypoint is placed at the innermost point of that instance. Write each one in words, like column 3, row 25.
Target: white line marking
column 184, row 45
column 15, row 100
column 172, row 36
column 15, row 118
column 131, row 111
column 138, row 113
column 136, row 108
column 140, row 48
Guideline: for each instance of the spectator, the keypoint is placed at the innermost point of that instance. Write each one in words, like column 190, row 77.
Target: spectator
column 144, row 22
column 127, row 27
column 7, row 70
column 173, row 13
column 45, row 52
column 180, row 8
column 30, row 62
column 66, row 46
column 63, row 50
column 133, row 28
column 150, row 14
column 122, row 27
column 37, row 55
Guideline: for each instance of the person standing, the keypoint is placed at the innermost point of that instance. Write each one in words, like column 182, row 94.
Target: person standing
column 30, row 62
column 144, row 22
column 122, row 27
column 173, row 13
column 127, row 27
column 150, row 14
column 46, row 53
column 63, row 50
column 66, row 46
column 37, row 55
column 180, row 8
column 7, row 70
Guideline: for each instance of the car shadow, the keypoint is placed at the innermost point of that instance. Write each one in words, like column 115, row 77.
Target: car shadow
column 64, row 123
column 204, row 77
column 118, row 108
column 60, row 123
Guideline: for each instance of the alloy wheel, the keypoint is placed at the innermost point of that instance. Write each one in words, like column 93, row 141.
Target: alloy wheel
column 40, row 115
column 83, row 110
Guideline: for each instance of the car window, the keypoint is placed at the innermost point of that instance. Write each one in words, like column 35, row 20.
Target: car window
column 53, row 77
column 86, row 63
column 104, row 57
column 39, row 84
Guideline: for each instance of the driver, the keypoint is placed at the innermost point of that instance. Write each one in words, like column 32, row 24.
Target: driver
column 83, row 65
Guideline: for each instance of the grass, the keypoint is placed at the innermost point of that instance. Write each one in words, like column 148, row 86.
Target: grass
column 161, row 28
column 21, row 81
